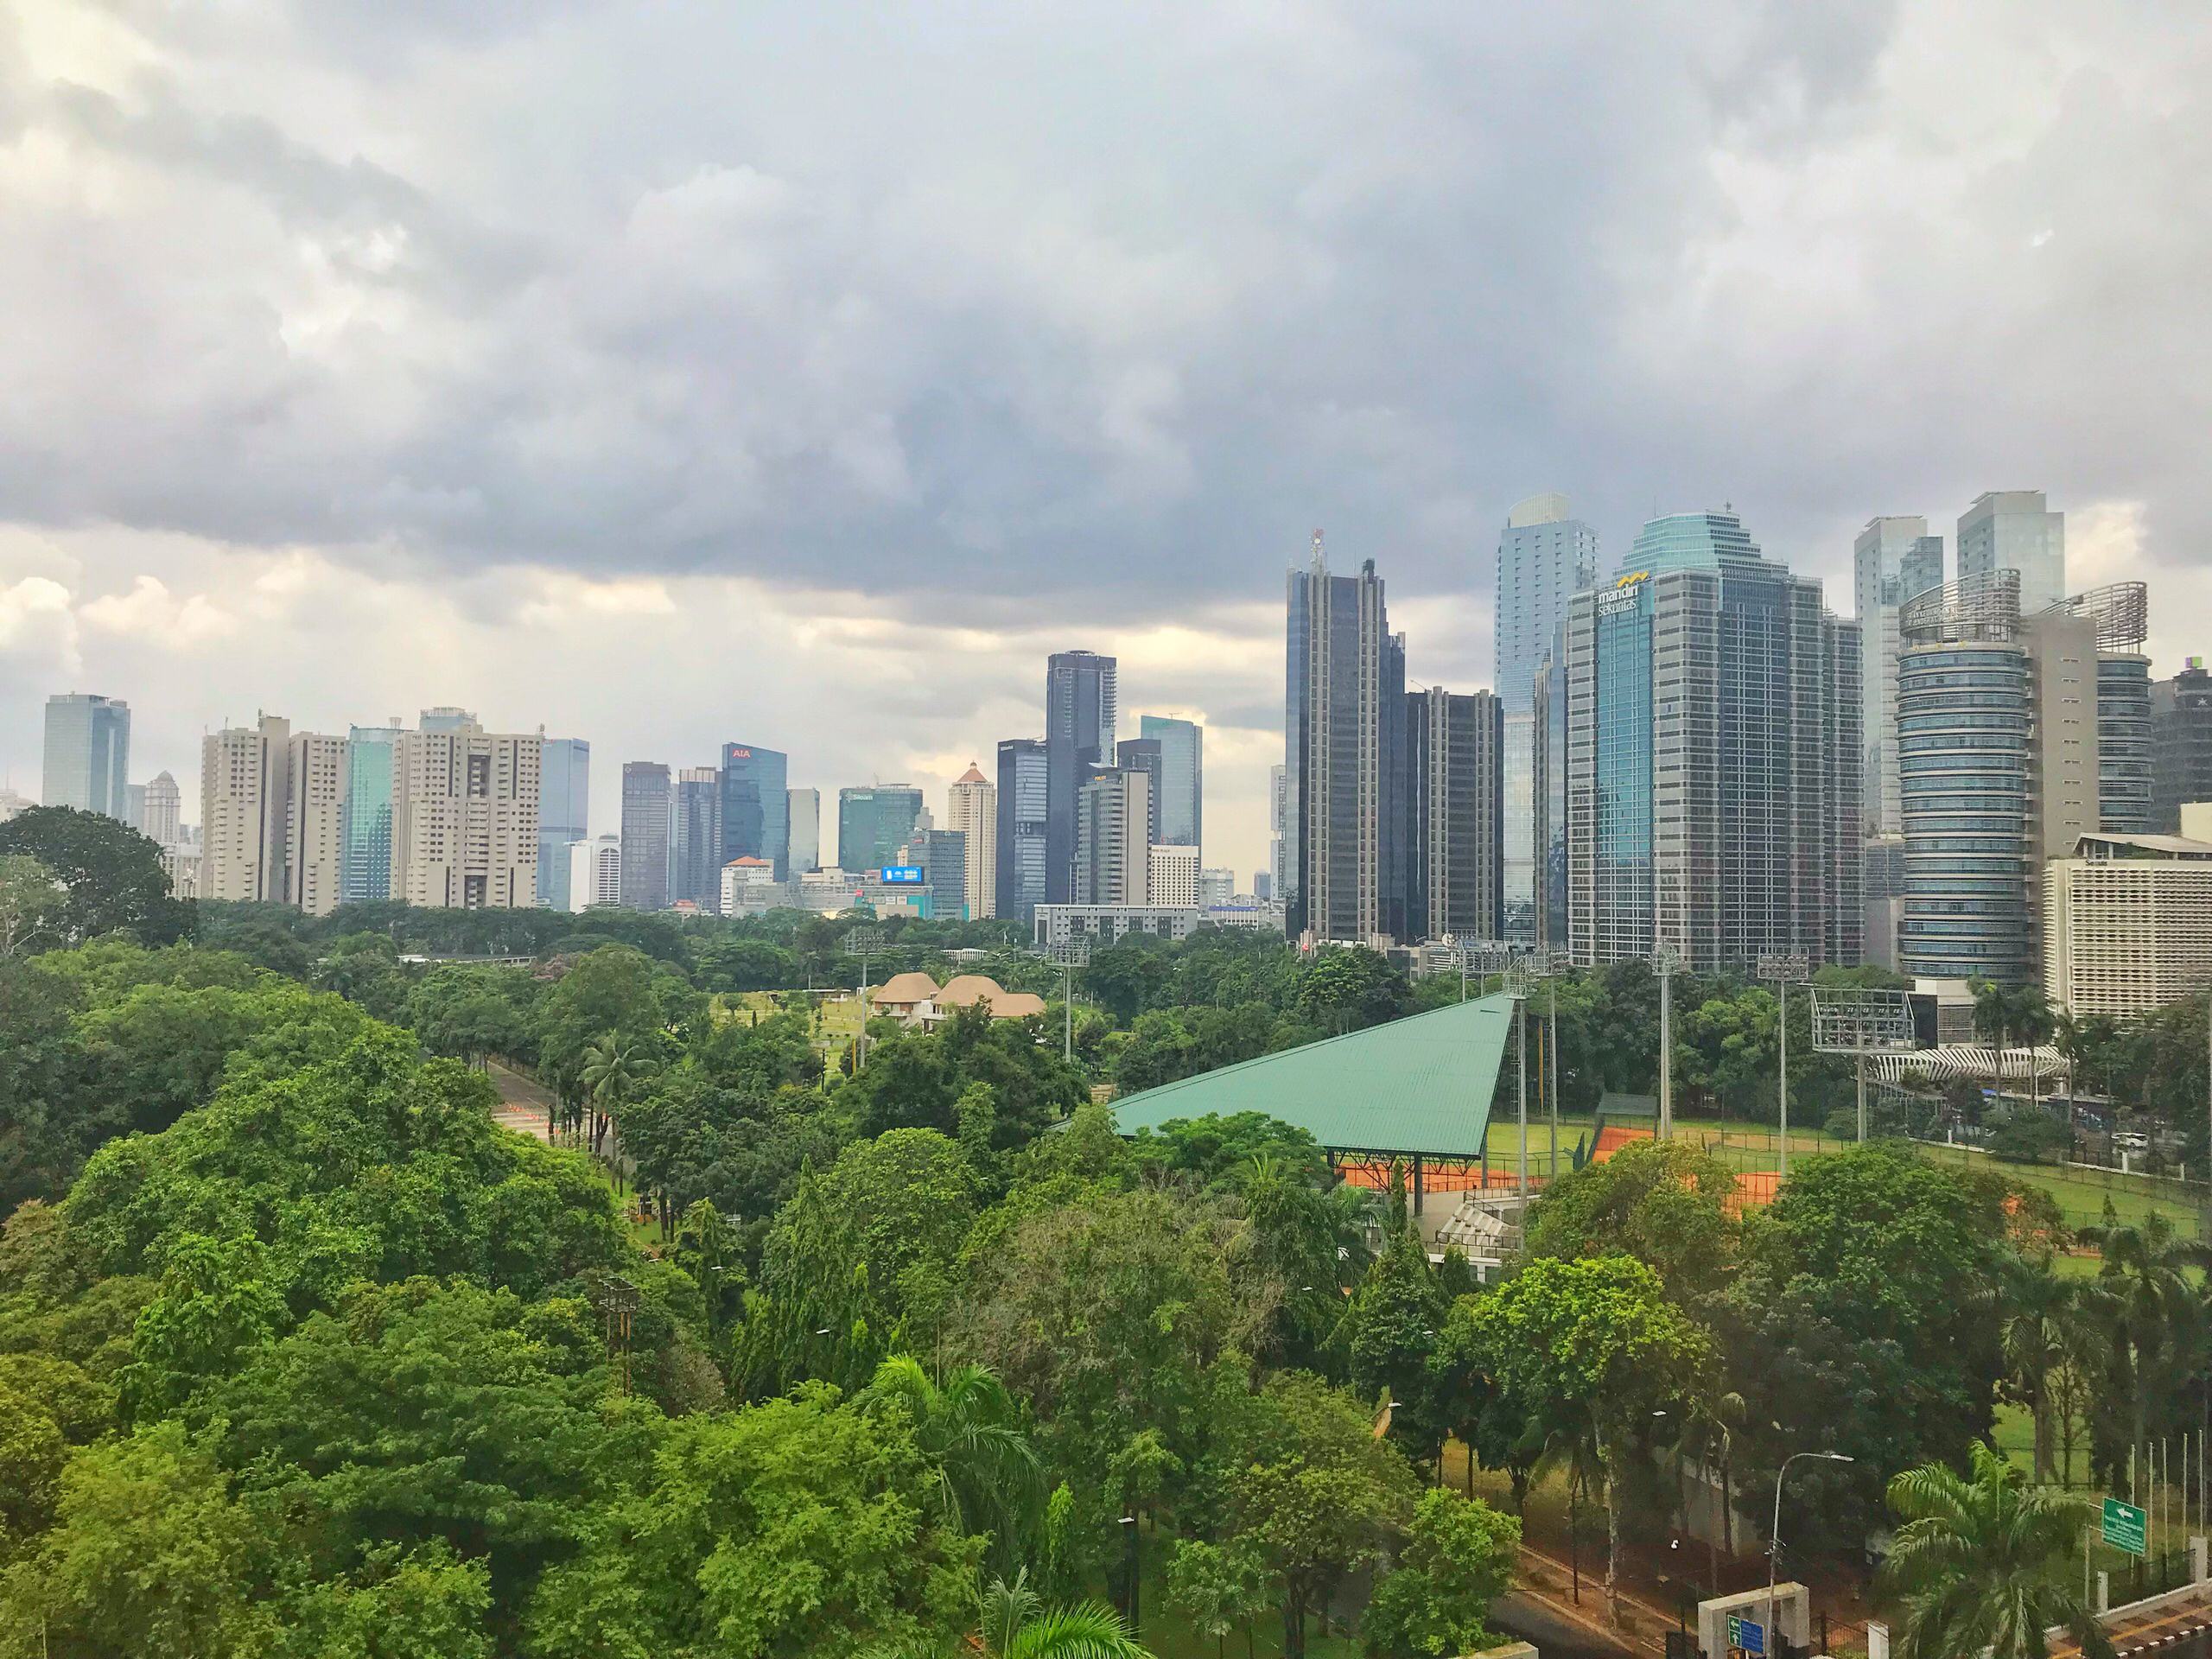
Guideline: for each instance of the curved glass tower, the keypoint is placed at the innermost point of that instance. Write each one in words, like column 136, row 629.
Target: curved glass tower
column 1963, row 723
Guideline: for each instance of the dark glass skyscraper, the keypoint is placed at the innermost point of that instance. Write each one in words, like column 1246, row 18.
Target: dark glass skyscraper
column 1081, row 702
column 564, row 817
column 1021, row 791
column 646, row 799
column 1343, row 765
column 2181, row 744
column 756, row 807
column 695, row 839
column 1454, row 789
column 1143, row 754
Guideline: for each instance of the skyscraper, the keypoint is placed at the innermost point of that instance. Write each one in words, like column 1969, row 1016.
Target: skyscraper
column 464, row 819
column 594, row 880
column 942, row 857
column 1113, row 837
column 1278, row 830
column 161, row 811
column 1545, row 557
column 646, row 804
column 1456, row 787
column 757, row 806
column 1713, row 757
column 244, row 789
column 1182, row 777
column 365, row 823
column 445, row 718
column 1343, row 758
column 873, row 823
column 971, row 808
column 563, row 816
column 1142, row 754
column 314, row 834
column 2014, row 530
column 694, row 859
column 2181, row 744
column 1022, row 789
column 804, row 808
column 88, row 763
column 1894, row 559
column 1080, row 703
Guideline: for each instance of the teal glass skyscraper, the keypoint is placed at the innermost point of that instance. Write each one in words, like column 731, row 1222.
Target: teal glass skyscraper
column 1182, row 783
column 563, row 816
column 365, row 857
column 1713, row 757
column 87, row 762
column 873, row 823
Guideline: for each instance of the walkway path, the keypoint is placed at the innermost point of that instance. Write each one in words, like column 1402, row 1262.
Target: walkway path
column 523, row 1104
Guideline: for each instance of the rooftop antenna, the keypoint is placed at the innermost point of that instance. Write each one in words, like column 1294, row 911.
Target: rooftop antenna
column 1320, row 562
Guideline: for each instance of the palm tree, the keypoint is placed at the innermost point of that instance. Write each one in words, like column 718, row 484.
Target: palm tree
column 2034, row 1309
column 611, row 1071
column 1013, row 1623
column 1971, row 1568
column 989, row 1477
column 2153, row 1315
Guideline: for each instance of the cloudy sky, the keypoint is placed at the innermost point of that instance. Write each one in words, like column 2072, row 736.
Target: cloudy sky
column 801, row 375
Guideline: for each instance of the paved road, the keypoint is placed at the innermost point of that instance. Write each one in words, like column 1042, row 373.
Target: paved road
column 521, row 1102
column 1518, row 1613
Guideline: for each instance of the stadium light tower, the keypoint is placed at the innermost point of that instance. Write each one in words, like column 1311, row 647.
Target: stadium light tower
column 1784, row 971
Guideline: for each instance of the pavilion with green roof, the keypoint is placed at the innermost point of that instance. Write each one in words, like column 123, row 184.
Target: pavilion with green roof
column 1418, row 1090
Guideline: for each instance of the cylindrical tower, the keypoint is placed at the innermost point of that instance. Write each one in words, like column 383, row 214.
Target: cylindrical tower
column 1963, row 720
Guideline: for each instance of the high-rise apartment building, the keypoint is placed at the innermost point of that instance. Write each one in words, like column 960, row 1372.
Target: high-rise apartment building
column 648, row 801
column 1173, row 878
column 563, row 816
column 1142, row 754
column 1545, row 556
column 314, row 831
column 1022, row 790
column 757, row 805
column 1454, row 747
column 87, row 762
column 1894, row 559
column 1713, row 757
column 1113, row 836
column 244, row 790
column 873, row 823
column 1217, row 886
column 1081, row 702
column 804, row 807
column 2015, row 530
column 695, row 853
column 596, row 873
column 464, row 819
column 2127, row 925
column 2181, row 744
column 971, row 808
column 365, row 831
column 1343, row 758
column 1182, row 777
column 161, row 812
column 1547, row 792
column 1278, row 830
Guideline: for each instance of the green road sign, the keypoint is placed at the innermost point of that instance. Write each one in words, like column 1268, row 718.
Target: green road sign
column 2123, row 1527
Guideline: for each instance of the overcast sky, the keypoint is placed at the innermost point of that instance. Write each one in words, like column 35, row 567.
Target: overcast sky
column 802, row 375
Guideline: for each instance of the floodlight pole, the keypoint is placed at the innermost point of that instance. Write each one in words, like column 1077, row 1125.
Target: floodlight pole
column 1516, row 981
column 1782, row 971
column 1862, row 1100
column 1664, row 959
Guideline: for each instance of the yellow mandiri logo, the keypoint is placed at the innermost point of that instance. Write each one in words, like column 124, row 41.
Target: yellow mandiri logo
column 1632, row 578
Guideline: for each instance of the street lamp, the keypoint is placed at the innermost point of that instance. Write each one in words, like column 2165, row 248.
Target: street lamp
column 1784, row 971
column 1774, row 1532
column 1130, row 1522
column 1665, row 959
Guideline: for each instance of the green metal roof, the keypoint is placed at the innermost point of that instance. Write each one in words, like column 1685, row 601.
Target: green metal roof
column 1419, row 1084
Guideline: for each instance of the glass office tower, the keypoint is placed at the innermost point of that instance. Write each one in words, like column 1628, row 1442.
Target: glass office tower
column 1022, row 809
column 756, row 806
column 365, row 857
column 563, row 816
column 873, row 823
column 87, row 762
column 1182, row 781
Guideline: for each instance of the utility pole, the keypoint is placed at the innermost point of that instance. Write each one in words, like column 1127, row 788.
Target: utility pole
column 1517, row 983
column 1783, row 970
column 1665, row 959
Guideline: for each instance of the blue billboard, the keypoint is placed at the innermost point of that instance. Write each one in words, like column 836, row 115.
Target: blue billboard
column 902, row 876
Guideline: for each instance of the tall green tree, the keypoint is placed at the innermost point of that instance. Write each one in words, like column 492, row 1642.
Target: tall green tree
column 110, row 875
column 1457, row 1559
column 1983, row 1564
column 1595, row 1339
column 989, row 1479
